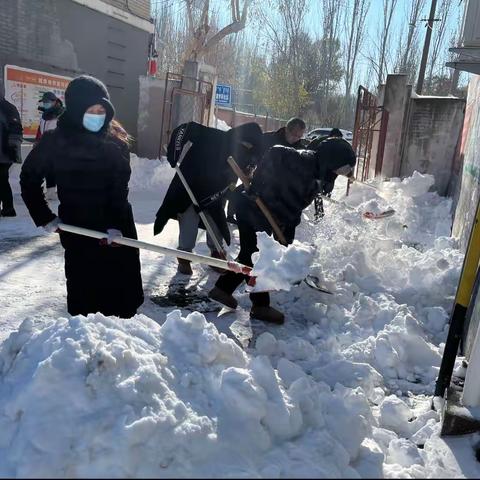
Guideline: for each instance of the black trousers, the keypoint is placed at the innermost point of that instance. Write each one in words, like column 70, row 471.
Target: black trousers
column 6, row 197
column 229, row 281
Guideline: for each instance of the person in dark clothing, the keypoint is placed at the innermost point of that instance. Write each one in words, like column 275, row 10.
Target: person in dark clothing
column 11, row 132
column 207, row 173
column 288, row 136
column 88, row 155
column 328, row 182
column 51, row 107
column 287, row 181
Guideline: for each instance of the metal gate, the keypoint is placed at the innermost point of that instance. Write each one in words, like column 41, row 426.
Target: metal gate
column 369, row 135
column 186, row 99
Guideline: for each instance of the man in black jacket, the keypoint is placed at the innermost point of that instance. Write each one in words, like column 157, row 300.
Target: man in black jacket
column 287, row 181
column 289, row 136
column 10, row 151
column 208, row 174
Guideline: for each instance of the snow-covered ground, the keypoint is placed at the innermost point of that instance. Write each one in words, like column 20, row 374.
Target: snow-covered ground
column 343, row 389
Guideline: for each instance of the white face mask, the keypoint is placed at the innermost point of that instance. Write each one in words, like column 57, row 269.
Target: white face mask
column 94, row 122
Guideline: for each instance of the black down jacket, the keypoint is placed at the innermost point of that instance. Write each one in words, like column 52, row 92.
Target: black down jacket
column 205, row 168
column 92, row 172
column 287, row 180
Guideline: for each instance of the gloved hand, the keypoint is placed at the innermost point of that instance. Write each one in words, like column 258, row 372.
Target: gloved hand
column 52, row 227
column 113, row 234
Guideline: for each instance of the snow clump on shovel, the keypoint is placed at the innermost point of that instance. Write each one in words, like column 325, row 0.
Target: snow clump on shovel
column 278, row 267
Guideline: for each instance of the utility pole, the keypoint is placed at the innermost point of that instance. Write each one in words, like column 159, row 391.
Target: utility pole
column 426, row 47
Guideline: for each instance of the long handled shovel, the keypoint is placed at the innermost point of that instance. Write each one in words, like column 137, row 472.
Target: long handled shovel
column 201, row 213
column 368, row 215
column 130, row 242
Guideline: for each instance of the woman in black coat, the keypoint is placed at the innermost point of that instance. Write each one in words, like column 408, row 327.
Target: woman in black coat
column 88, row 156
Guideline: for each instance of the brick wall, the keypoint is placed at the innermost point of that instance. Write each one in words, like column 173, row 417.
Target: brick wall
column 141, row 8
column 433, row 130
column 52, row 36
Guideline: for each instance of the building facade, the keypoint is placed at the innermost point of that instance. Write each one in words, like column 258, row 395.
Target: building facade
column 108, row 39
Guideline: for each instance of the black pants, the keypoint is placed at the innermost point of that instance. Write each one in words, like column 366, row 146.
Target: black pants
column 229, row 281
column 6, row 197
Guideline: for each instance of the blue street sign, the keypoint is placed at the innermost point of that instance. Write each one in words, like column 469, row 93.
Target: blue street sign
column 223, row 96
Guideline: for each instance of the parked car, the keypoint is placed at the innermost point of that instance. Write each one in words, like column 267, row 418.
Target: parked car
column 321, row 132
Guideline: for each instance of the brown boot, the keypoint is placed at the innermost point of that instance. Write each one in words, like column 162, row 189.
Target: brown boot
column 223, row 297
column 184, row 266
column 267, row 314
column 221, row 256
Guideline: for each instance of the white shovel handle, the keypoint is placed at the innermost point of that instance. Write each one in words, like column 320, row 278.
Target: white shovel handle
column 173, row 252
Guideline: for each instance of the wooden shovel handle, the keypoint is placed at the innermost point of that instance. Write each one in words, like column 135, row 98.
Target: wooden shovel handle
column 261, row 205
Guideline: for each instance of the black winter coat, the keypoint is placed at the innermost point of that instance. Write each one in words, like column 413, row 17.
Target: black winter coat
column 10, row 133
column 205, row 168
column 92, row 173
column 287, row 180
column 278, row 138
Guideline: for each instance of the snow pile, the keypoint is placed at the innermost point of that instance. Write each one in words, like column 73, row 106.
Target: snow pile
column 98, row 396
column 278, row 267
column 150, row 175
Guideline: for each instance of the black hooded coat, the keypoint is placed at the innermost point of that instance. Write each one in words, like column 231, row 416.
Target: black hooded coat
column 92, row 171
column 205, row 168
column 287, row 181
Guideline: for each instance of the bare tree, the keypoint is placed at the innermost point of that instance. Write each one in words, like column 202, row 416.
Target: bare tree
column 355, row 21
column 440, row 38
column 332, row 11
column 414, row 13
column 389, row 7
column 199, row 25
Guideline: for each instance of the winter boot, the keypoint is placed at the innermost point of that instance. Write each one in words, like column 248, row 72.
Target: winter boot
column 267, row 314
column 184, row 267
column 221, row 256
column 8, row 212
column 222, row 297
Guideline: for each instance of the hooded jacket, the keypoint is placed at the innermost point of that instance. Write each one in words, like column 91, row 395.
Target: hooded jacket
column 205, row 168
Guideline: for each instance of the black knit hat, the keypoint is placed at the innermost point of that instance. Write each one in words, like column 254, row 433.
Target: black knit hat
column 83, row 92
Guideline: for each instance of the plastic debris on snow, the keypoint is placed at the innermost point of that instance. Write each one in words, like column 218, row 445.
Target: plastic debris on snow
column 278, row 267
column 100, row 396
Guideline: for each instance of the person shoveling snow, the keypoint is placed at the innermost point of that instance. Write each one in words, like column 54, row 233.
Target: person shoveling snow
column 283, row 185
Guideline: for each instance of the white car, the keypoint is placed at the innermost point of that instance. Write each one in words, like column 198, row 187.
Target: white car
column 321, row 132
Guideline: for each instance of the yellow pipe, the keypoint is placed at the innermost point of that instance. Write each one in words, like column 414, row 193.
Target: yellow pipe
column 470, row 264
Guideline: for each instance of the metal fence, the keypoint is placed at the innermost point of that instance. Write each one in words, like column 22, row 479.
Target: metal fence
column 369, row 135
column 185, row 99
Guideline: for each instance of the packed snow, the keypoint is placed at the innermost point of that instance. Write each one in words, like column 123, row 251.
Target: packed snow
column 342, row 389
column 278, row 267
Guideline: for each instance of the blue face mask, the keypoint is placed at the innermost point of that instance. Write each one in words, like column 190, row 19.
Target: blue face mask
column 47, row 105
column 94, row 122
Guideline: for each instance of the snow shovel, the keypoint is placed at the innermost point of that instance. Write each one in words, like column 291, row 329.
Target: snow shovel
column 201, row 213
column 130, row 242
column 173, row 252
column 368, row 215
column 311, row 280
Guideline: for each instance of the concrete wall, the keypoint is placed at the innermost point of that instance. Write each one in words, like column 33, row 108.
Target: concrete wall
column 468, row 187
column 395, row 100
column 150, row 104
column 234, row 118
column 433, row 129
column 67, row 38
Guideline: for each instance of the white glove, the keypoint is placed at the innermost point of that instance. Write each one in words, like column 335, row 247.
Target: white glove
column 52, row 227
column 113, row 234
